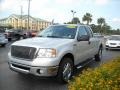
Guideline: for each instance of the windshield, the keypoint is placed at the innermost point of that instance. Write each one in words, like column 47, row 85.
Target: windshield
column 114, row 38
column 63, row 31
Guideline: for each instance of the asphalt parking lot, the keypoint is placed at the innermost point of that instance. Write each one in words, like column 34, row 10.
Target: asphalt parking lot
column 10, row 80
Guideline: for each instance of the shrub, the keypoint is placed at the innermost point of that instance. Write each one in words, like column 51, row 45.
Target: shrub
column 105, row 77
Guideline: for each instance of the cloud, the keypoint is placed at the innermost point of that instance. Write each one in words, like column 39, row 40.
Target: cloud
column 116, row 20
column 12, row 5
column 68, row 2
column 52, row 13
column 101, row 2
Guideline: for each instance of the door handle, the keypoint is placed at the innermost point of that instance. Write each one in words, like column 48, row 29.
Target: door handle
column 74, row 44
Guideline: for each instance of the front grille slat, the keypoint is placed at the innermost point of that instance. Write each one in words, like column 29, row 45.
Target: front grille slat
column 23, row 52
column 113, row 43
column 21, row 67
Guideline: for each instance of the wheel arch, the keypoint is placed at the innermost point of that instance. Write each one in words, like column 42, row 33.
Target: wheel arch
column 70, row 55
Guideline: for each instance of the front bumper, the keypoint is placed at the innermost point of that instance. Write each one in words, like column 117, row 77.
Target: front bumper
column 35, row 70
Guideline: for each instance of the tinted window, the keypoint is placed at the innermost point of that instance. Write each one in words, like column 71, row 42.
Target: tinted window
column 89, row 31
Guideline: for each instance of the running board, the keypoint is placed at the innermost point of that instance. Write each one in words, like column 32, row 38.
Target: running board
column 78, row 67
column 84, row 63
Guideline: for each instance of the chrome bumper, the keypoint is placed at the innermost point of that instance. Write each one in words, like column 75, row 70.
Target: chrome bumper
column 35, row 70
column 109, row 47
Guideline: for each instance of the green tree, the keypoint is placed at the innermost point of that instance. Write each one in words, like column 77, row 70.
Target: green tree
column 75, row 20
column 101, row 23
column 9, row 27
column 87, row 17
column 106, row 28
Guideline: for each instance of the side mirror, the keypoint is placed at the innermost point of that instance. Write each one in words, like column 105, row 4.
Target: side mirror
column 83, row 38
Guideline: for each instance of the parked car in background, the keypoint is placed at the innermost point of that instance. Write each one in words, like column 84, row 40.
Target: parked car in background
column 3, row 40
column 16, row 34
column 98, row 35
column 9, row 34
column 113, row 42
column 34, row 33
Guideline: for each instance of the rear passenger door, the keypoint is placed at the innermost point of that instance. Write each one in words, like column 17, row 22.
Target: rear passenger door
column 92, row 43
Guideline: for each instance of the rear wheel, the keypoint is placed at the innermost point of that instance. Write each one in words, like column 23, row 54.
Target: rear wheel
column 65, row 71
column 98, row 56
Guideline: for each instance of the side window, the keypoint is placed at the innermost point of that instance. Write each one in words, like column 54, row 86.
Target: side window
column 89, row 31
column 82, row 31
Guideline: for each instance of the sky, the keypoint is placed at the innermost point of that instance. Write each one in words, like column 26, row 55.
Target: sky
column 60, row 10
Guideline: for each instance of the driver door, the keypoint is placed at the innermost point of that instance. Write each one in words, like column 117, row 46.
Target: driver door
column 82, row 46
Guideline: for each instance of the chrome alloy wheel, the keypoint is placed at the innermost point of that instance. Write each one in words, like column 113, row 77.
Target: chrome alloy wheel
column 67, row 71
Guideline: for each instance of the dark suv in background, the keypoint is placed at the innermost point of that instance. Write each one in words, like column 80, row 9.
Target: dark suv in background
column 14, row 34
column 19, row 34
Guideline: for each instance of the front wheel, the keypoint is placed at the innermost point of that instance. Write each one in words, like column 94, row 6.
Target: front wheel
column 98, row 56
column 65, row 71
column 3, row 45
column 106, row 48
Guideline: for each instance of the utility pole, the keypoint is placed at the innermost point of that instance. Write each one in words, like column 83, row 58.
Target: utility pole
column 28, row 13
column 21, row 17
column 73, row 12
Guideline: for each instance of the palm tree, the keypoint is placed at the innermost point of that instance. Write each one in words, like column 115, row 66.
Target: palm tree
column 101, row 23
column 106, row 28
column 87, row 17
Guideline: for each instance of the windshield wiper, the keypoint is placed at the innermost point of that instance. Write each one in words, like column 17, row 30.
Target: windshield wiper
column 39, row 36
column 53, row 36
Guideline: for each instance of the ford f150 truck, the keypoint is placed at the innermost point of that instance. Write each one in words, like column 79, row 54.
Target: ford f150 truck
column 56, row 51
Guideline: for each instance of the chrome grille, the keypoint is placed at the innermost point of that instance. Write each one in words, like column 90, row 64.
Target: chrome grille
column 23, row 52
column 113, row 43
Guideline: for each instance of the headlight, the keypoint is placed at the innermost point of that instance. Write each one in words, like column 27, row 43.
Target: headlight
column 47, row 53
column 107, row 42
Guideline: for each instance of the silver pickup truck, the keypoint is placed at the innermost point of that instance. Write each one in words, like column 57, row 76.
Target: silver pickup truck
column 56, row 51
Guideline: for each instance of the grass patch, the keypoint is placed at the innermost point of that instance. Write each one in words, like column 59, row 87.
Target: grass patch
column 105, row 77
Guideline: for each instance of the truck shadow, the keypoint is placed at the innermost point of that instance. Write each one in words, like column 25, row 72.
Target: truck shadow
column 93, row 64
column 33, row 83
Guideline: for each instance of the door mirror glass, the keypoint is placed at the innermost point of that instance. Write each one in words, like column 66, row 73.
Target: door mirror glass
column 83, row 38
column 83, row 34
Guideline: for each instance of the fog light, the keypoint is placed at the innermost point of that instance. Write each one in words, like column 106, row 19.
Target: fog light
column 41, row 71
column 38, row 71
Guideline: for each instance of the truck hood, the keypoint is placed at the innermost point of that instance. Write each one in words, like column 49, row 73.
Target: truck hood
column 40, row 42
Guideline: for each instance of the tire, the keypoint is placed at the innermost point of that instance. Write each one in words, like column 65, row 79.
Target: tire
column 106, row 48
column 3, row 45
column 65, row 70
column 98, row 56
